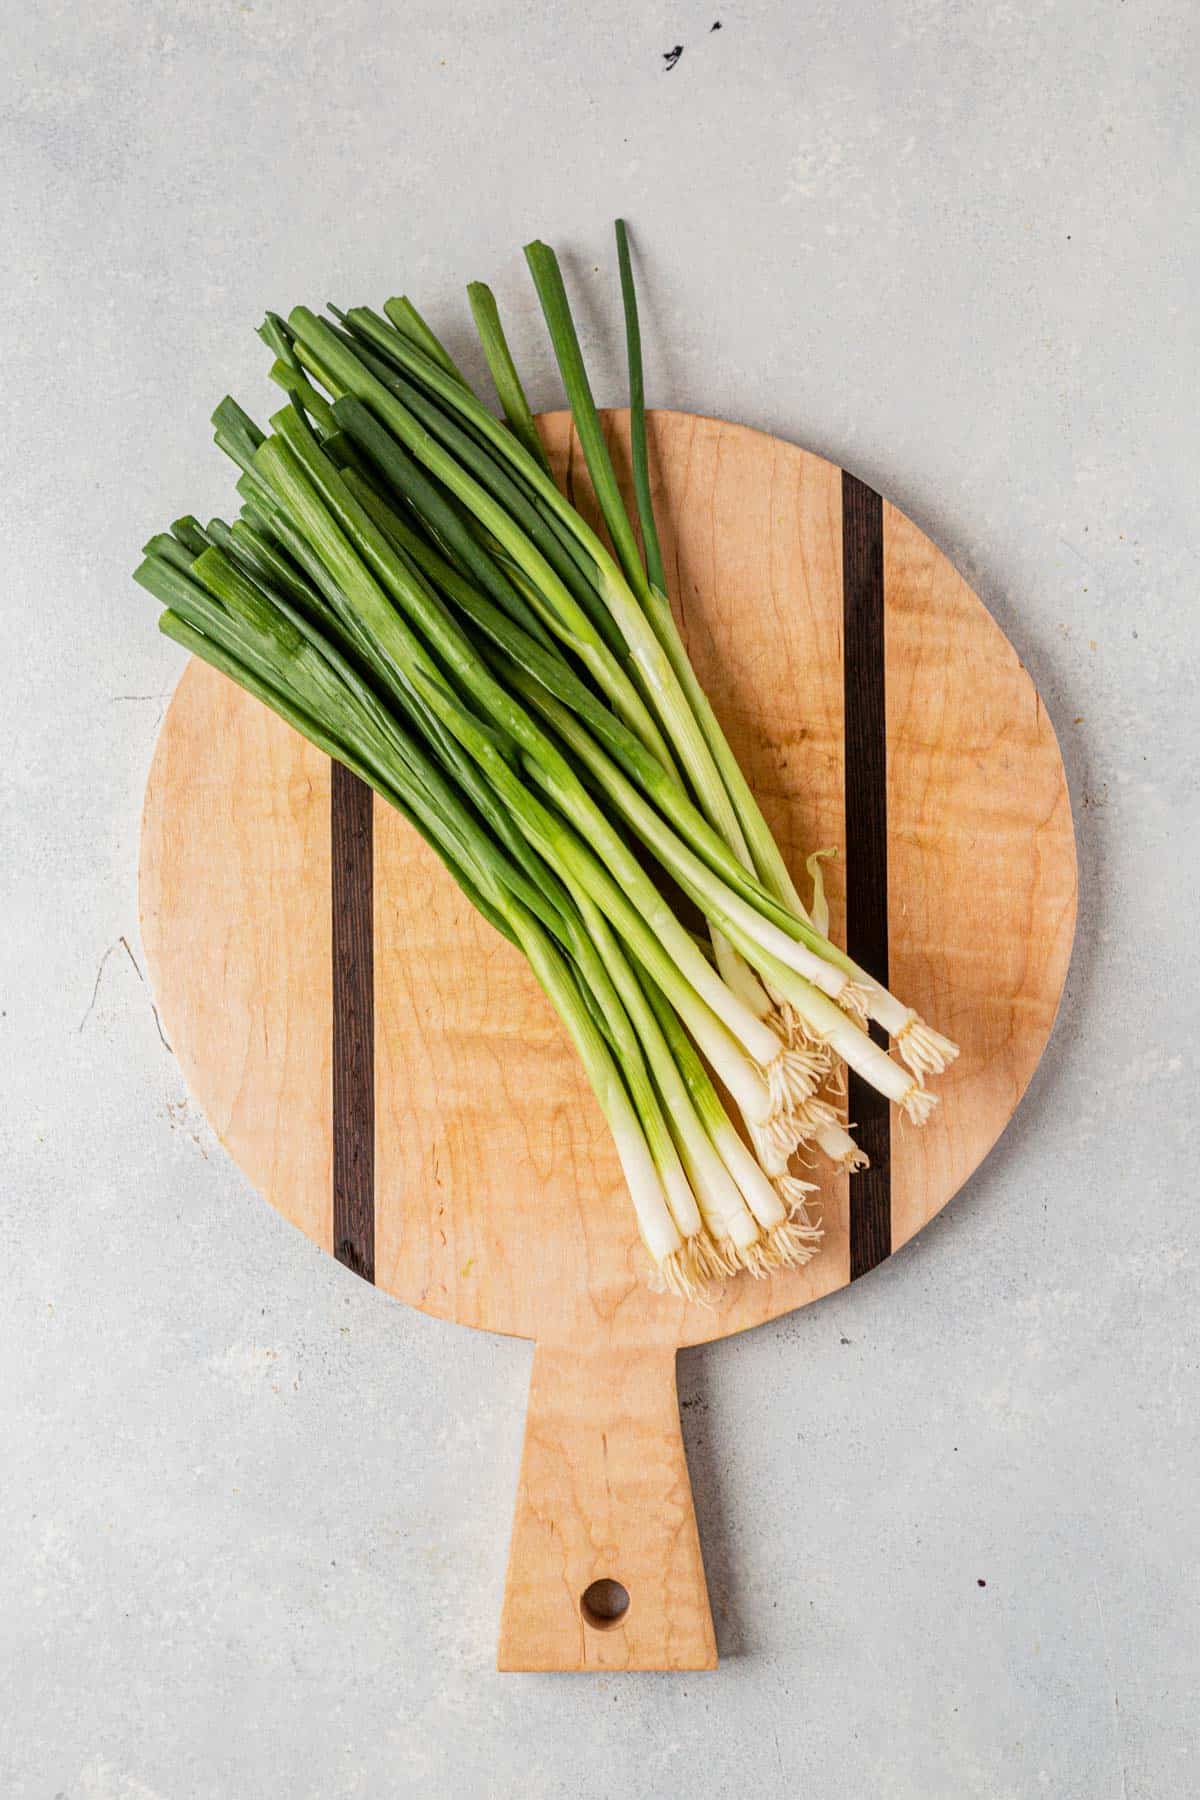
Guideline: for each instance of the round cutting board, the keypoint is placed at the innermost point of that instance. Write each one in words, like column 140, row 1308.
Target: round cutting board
column 389, row 1075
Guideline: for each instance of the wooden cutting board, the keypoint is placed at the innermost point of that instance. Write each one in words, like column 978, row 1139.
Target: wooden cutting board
column 389, row 1075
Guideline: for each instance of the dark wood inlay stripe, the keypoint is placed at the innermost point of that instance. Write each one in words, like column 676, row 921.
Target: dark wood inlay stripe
column 866, row 844
column 353, row 945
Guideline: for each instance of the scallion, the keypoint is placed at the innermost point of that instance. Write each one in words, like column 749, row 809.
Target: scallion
column 408, row 589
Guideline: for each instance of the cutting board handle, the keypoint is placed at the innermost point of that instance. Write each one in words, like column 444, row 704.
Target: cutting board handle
column 604, row 1569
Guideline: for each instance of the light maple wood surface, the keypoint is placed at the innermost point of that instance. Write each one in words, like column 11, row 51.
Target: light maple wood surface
column 498, row 1198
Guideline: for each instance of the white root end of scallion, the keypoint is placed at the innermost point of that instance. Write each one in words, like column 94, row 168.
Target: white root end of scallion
column 700, row 1267
column 918, row 1103
column 835, row 1142
column 796, row 1033
column 795, row 1075
column 788, row 1131
column 756, row 1259
column 922, row 1049
column 836, row 1080
column 714, row 1259
column 676, row 1273
column 794, row 1193
column 722, row 1206
column 808, row 1116
column 743, row 1230
column 771, row 1148
column 791, row 1245
column 853, row 1162
column 856, row 1000
column 751, row 1180
column 724, row 1254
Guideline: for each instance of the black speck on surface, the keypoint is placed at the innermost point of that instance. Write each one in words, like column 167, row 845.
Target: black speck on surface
column 980, row 1582
column 715, row 26
column 671, row 57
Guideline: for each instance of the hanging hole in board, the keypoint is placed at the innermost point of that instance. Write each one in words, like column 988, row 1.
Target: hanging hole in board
column 604, row 1604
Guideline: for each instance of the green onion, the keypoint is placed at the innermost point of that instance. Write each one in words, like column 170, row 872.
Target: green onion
column 655, row 573
column 406, row 587
column 511, row 394
column 410, row 324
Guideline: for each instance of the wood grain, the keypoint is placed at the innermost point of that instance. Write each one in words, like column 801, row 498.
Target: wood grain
column 234, row 904
column 604, row 1494
column 498, row 1199
column 352, row 935
column 866, row 937
column 981, row 861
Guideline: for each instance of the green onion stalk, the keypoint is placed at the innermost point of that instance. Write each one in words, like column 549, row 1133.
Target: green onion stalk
column 407, row 587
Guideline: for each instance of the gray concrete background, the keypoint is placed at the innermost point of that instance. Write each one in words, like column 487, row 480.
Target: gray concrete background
column 253, row 1518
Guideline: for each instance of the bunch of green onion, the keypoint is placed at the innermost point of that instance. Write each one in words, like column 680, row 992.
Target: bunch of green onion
column 407, row 587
